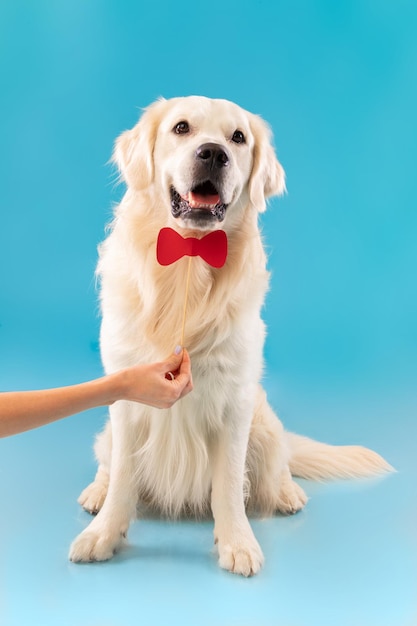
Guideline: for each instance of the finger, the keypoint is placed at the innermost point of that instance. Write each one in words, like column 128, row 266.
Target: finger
column 179, row 365
column 185, row 382
column 185, row 366
column 186, row 356
column 173, row 362
column 185, row 391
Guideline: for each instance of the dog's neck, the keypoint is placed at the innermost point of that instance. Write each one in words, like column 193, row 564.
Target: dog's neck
column 214, row 294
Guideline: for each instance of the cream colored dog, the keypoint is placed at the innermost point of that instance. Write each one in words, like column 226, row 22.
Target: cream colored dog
column 196, row 165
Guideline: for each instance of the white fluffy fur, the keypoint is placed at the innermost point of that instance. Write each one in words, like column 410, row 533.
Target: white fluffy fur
column 221, row 448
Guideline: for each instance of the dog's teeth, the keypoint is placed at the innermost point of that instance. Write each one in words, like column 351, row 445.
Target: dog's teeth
column 200, row 205
column 202, row 201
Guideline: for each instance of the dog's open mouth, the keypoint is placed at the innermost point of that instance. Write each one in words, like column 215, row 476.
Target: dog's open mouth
column 202, row 202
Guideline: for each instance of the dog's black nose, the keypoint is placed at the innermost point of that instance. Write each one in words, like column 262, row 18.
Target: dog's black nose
column 213, row 155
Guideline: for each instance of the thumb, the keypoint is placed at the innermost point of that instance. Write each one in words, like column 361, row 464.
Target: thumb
column 173, row 362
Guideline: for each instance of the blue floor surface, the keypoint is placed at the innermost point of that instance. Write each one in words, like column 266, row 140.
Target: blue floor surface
column 348, row 559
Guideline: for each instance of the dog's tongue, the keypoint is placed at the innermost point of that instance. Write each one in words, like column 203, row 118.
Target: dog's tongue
column 200, row 201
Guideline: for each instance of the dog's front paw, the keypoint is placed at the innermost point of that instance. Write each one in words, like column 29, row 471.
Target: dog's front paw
column 242, row 556
column 91, row 545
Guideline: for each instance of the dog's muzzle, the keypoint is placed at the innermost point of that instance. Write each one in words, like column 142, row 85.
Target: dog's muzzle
column 204, row 202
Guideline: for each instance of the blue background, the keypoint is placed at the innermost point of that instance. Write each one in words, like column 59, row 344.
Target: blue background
column 337, row 81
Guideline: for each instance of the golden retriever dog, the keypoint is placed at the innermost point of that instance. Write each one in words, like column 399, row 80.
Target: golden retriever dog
column 197, row 165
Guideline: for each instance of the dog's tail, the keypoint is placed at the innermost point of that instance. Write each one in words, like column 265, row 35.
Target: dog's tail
column 319, row 461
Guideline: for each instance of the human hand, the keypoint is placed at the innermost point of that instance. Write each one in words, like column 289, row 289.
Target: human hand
column 152, row 384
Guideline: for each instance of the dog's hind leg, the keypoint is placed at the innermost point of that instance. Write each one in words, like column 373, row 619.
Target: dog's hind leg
column 270, row 485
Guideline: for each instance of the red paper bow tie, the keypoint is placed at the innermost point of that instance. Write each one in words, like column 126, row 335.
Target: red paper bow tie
column 212, row 248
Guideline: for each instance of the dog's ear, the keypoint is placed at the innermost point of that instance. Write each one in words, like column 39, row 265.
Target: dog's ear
column 268, row 176
column 133, row 150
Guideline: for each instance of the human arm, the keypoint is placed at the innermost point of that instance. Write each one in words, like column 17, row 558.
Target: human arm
column 147, row 384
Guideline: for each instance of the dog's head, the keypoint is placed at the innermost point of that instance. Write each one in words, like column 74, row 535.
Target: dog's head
column 210, row 158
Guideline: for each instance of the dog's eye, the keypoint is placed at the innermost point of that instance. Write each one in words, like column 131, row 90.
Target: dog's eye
column 182, row 128
column 238, row 137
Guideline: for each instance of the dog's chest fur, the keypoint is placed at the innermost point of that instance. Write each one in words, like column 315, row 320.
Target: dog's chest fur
column 142, row 306
column 143, row 303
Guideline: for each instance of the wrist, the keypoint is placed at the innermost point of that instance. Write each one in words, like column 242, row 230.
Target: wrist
column 114, row 387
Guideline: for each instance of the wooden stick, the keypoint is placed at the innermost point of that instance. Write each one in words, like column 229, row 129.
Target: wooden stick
column 187, row 284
